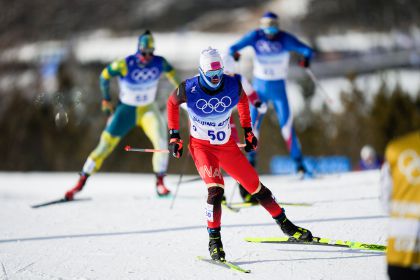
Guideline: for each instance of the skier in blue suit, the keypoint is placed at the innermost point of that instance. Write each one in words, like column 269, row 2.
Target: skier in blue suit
column 272, row 48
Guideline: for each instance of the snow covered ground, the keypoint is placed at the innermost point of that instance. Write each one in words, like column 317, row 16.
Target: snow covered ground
column 125, row 232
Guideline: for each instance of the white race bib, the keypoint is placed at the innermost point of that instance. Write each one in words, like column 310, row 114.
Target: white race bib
column 215, row 130
column 138, row 94
column 271, row 67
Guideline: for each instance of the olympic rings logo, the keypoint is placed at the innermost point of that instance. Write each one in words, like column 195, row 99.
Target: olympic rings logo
column 409, row 165
column 268, row 47
column 213, row 105
column 145, row 74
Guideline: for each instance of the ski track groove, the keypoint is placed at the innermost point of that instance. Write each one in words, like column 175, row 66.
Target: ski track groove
column 24, row 268
column 4, row 272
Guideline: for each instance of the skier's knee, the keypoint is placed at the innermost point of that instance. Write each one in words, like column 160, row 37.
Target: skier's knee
column 263, row 194
column 215, row 195
column 251, row 185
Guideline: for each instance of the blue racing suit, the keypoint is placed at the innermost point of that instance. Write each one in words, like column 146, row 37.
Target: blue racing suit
column 271, row 62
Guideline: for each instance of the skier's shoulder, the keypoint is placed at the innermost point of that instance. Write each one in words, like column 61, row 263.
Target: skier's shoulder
column 254, row 34
column 191, row 80
column 118, row 64
column 234, row 75
column 403, row 142
column 232, row 82
column 285, row 33
column 182, row 85
column 189, row 84
column 286, row 36
column 159, row 59
column 180, row 92
column 230, row 76
column 130, row 57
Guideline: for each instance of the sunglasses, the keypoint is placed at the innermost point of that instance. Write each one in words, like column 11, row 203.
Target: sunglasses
column 214, row 73
column 147, row 52
column 272, row 30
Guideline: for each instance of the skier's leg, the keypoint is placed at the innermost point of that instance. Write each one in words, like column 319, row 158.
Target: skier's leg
column 208, row 167
column 285, row 119
column 106, row 145
column 256, row 118
column 252, row 156
column 150, row 119
column 235, row 164
column 118, row 126
column 214, row 214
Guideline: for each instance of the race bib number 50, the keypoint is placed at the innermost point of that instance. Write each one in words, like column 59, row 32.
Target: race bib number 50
column 216, row 135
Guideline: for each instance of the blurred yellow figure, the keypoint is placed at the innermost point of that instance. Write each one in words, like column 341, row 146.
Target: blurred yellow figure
column 400, row 181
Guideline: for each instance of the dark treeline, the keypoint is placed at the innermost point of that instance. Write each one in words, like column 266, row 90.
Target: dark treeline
column 37, row 20
column 372, row 15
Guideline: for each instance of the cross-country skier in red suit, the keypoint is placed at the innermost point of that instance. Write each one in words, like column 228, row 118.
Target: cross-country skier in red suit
column 210, row 98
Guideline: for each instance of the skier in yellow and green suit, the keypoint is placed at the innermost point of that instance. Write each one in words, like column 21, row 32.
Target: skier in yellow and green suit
column 138, row 76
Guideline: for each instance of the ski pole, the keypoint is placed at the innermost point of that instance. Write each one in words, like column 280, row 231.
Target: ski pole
column 256, row 122
column 179, row 181
column 318, row 84
column 232, row 194
column 131, row 149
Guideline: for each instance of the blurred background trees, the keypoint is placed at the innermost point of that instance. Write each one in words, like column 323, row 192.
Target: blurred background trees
column 52, row 124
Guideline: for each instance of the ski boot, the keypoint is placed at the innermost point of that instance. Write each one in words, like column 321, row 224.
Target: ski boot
column 291, row 229
column 215, row 244
column 247, row 197
column 79, row 186
column 302, row 171
column 161, row 189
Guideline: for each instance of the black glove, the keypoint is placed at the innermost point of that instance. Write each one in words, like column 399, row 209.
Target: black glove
column 250, row 140
column 305, row 62
column 175, row 143
column 236, row 56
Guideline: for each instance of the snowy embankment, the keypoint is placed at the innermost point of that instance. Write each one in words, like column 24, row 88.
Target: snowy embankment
column 125, row 232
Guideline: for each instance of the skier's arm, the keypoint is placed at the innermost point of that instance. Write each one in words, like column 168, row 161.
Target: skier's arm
column 176, row 98
column 252, row 95
column 249, row 90
column 291, row 43
column 243, row 111
column 245, row 41
column 116, row 68
column 251, row 141
column 170, row 73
